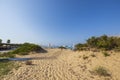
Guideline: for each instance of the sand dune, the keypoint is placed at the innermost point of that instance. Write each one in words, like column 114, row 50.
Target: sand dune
column 66, row 65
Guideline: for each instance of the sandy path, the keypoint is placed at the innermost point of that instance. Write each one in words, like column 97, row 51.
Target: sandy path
column 65, row 65
column 51, row 66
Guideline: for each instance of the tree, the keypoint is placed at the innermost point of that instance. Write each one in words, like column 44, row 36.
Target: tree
column 62, row 47
column 0, row 41
column 92, row 42
column 80, row 46
column 103, row 42
column 8, row 41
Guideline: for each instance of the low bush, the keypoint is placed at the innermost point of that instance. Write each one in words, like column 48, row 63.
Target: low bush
column 26, row 48
column 101, row 71
column 106, row 54
column 62, row 47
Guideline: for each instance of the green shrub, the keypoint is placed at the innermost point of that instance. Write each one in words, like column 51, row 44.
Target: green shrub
column 26, row 48
column 103, row 43
column 62, row 47
column 101, row 71
column 80, row 47
column 106, row 54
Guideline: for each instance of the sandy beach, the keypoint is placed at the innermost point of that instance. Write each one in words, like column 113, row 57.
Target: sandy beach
column 66, row 65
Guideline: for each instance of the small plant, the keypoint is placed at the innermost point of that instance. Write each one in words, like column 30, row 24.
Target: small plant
column 85, row 57
column 28, row 62
column 101, row 71
column 106, row 54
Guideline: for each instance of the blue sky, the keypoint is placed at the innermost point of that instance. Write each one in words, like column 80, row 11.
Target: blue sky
column 59, row 22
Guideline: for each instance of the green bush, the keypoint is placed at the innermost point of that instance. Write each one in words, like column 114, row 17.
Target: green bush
column 101, row 71
column 62, row 47
column 26, row 48
column 80, row 47
column 103, row 43
column 106, row 54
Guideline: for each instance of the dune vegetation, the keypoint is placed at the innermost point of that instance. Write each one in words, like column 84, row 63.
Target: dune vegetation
column 101, row 71
column 103, row 42
column 63, row 64
column 24, row 49
column 6, row 67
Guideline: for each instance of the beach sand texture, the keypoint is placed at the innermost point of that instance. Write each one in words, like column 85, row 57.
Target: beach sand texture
column 66, row 65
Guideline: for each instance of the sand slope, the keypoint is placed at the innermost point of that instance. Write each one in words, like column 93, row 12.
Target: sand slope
column 66, row 65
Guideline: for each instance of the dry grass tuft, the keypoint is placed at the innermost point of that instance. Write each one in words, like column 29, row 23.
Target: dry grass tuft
column 101, row 71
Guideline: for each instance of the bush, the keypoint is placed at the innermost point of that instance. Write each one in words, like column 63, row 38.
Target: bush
column 62, row 47
column 103, row 42
column 81, row 47
column 101, row 71
column 106, row 54
column 26, row 48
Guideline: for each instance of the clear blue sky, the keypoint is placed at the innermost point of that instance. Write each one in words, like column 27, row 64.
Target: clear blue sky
column 58, row 21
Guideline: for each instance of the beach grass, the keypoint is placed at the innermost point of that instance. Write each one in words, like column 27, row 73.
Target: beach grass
column 6, row 67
